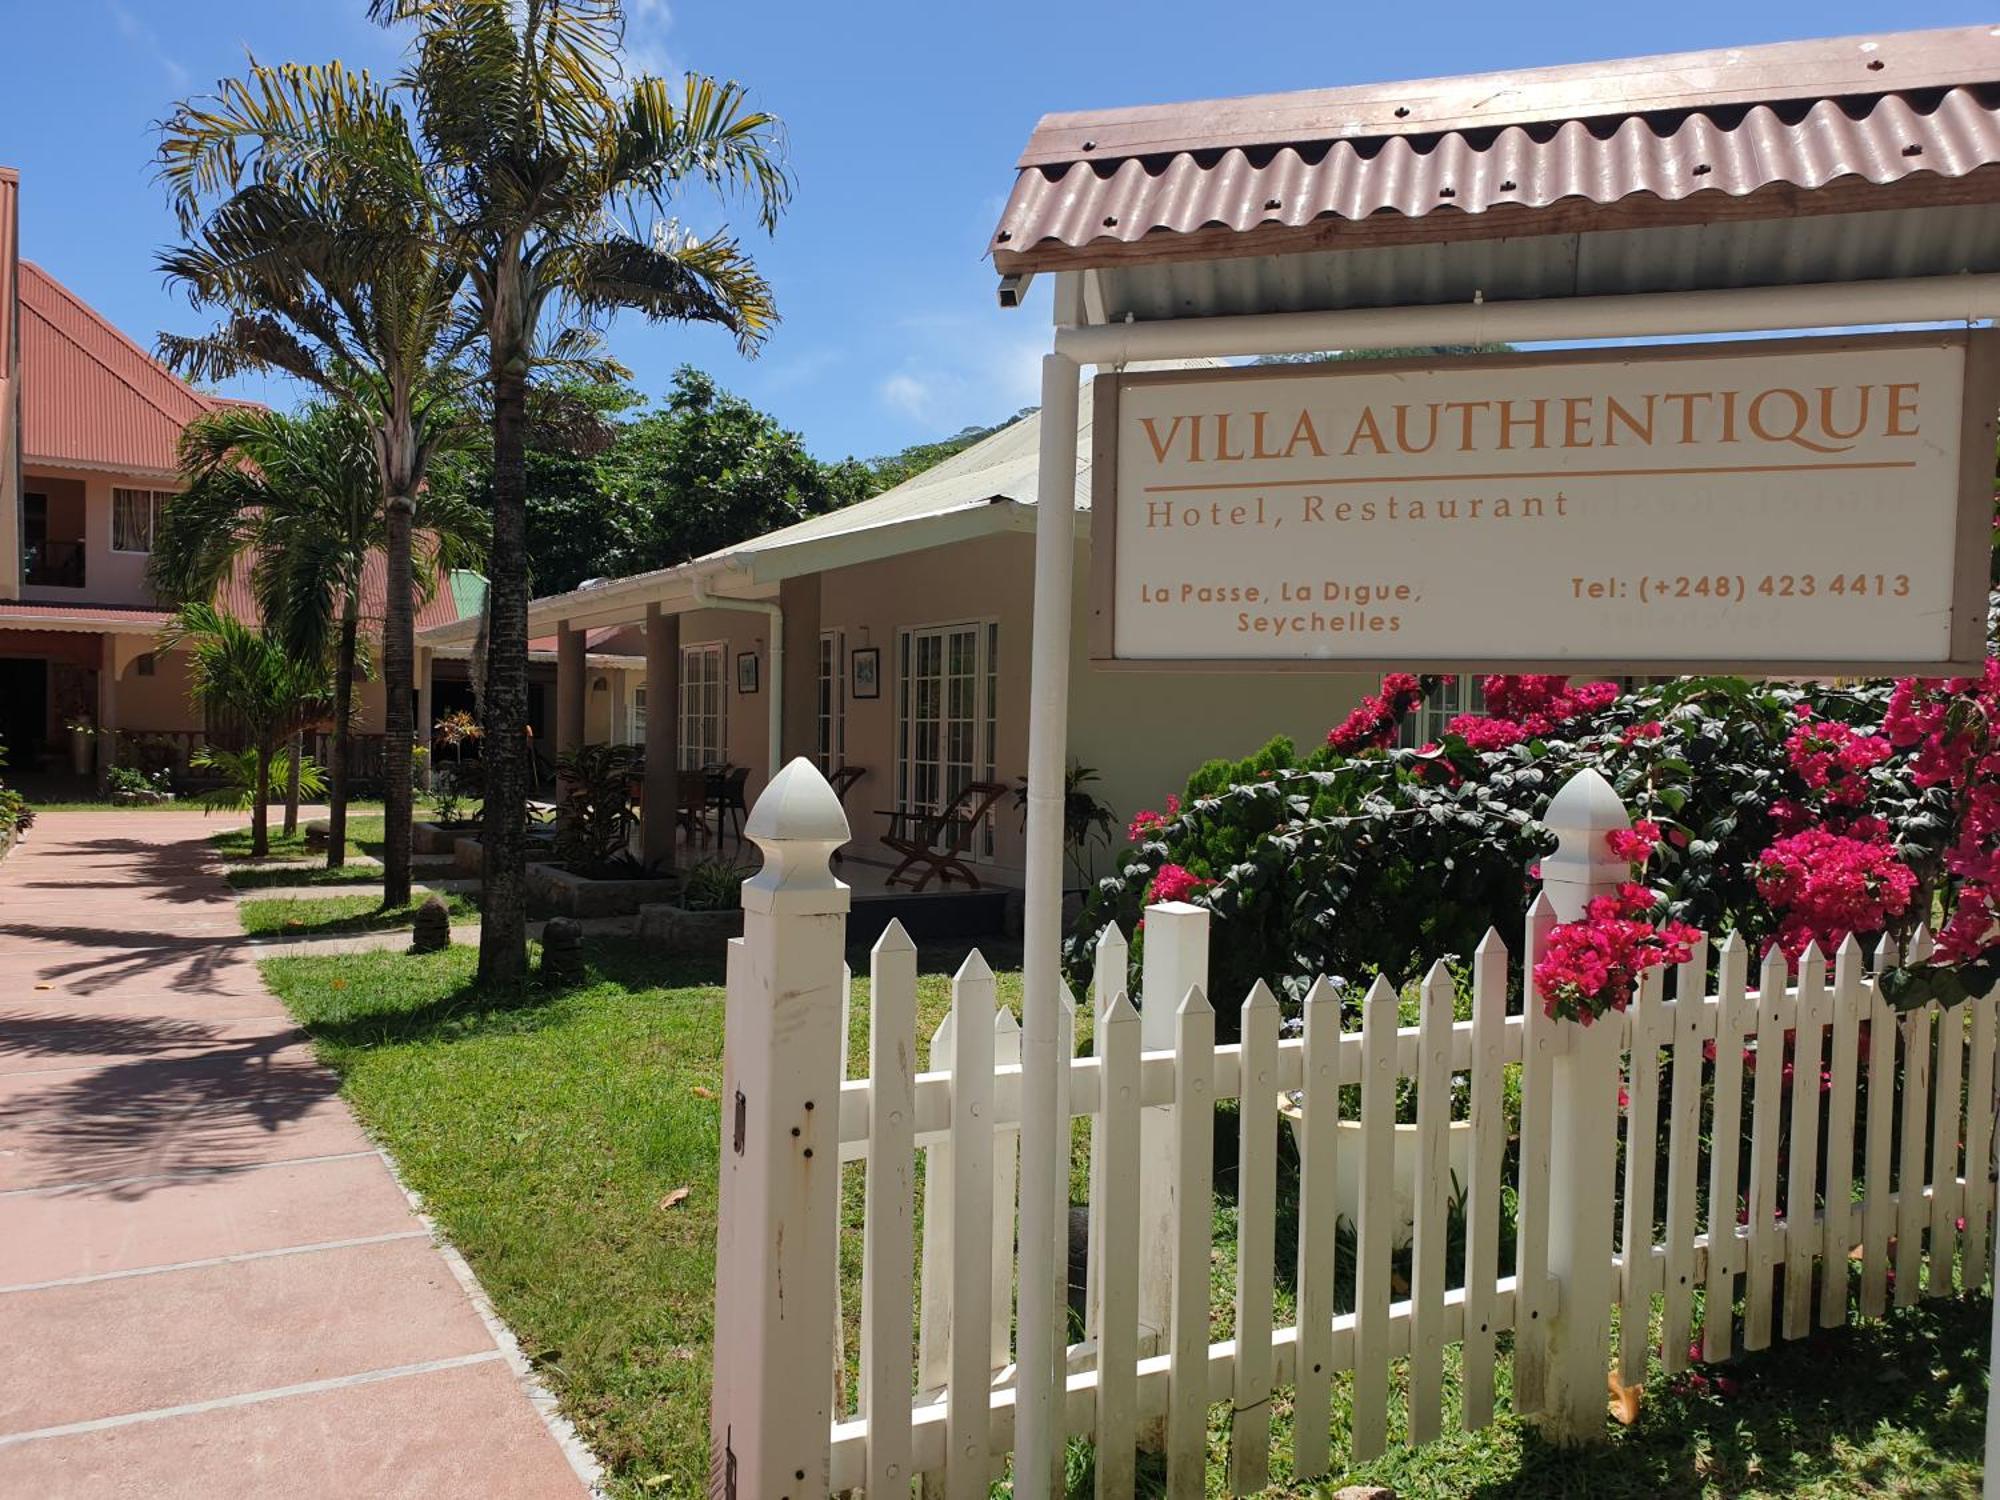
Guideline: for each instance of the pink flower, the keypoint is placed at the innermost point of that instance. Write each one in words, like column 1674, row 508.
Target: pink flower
column 1373, row 725
column 1174, row 883
column 1146, row 823
column 1634, row 845
column 1592, row 966
column 1823, row 886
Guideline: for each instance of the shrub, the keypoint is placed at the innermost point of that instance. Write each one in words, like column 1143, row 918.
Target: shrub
column 594, row 820
column 1380, row 862
column 713, row 884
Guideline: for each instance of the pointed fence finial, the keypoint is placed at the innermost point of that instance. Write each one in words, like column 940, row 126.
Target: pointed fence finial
column 797, row 823
column 1583, row 866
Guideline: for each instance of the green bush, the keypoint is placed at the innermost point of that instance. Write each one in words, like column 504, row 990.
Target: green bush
column 1332, row 863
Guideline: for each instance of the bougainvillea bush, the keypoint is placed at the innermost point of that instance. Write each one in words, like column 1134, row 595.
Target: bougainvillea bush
column 1794, row 813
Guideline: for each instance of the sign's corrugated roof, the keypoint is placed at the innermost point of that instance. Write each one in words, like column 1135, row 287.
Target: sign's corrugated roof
column 1892, row 121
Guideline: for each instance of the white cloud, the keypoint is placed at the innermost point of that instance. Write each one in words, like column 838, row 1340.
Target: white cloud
column 962, row 370
column 138, row 34
column 647, row 23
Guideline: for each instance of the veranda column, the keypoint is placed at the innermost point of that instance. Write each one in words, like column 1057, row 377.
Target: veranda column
column 424, row 713
column 1044, row 1139
column 1583, row 1127
column 572, row 680
column 107, row 704
column 663, row 699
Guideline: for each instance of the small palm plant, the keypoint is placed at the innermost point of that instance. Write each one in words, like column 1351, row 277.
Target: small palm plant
column 246, row 677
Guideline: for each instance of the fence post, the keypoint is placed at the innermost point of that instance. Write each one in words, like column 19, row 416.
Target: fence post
column 1174, row 961
column 770, row 1427
column 1583, row 1134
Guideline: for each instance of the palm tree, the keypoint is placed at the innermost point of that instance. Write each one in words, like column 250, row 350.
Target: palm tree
column 301, row 496
column 309, row 223
column 535, row 144
column 248, row 678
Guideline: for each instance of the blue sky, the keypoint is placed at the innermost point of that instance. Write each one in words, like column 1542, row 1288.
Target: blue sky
column 904, row 121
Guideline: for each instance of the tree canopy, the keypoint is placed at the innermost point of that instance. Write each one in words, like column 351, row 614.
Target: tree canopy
column 619, row 486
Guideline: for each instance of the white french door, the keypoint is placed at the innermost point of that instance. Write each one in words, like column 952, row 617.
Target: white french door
column 704, row 707
column 947, row 710
column 830, row 743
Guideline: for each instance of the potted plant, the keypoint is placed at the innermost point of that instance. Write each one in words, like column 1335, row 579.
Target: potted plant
column 82, row 753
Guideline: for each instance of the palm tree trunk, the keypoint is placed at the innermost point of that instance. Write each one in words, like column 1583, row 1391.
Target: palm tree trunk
column 343, row 713
column 503, row 901
column 399, row 652
column 260, row 809
column 292, row 782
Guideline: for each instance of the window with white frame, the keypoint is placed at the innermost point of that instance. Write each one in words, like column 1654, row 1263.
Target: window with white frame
column 947, row 713
column 638, row 716
column 704, row 707
column 830, row 744
column 135, row 517
column 1460, row 694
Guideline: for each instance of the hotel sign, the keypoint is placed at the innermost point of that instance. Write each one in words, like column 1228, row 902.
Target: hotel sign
column 1812, row 506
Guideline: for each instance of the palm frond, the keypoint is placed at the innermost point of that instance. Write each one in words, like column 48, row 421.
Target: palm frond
column 685, row 280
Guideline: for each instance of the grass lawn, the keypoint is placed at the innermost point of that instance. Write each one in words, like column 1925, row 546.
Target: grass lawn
column 548, row 1133
column 291, row 872
column 300, row 917
column 364, row 836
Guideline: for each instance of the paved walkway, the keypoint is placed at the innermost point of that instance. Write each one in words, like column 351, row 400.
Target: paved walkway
column 210, row 1283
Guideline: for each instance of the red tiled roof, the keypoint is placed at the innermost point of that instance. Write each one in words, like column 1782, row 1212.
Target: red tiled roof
column 91, row 398
column 237, row 597
column 89, row 617
column 1873, row 122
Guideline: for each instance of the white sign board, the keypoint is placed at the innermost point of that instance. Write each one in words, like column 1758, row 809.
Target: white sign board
column 1819, row 505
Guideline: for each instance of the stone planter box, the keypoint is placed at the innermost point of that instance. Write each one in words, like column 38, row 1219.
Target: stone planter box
column 1347, row 1154
column 430, row 838
column 9, row 837
column 572, row 895
column 682, row 933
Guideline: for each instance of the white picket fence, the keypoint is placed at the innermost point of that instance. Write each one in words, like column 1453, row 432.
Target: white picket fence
column 1906, row 1190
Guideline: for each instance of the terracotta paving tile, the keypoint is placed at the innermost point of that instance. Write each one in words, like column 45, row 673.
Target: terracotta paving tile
column 113, row 1347
column 52, row 1236
column 460, row 1434
column 69, row 1039
column 254, row 1102
column 159, row 1093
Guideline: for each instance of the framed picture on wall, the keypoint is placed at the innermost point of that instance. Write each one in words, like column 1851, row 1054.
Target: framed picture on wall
column 746, row 672
column 865, row 672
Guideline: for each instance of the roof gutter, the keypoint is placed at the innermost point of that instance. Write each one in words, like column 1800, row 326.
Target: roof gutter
column 707, row 598
column 1918, row 299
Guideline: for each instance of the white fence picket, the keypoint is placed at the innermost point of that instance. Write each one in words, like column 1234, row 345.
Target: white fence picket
column 1256, row 1247
column 1878, row 1208
column 1808, row 1052
column 1642, row 1116
column 968, row 1423
column 1725, row 1250
column 1837, row 1237
column 1761, row 1263
column 1194, row 1187
column 1912, row 1205
column 934, row 1264
column 887, row 1247
column 1433, row 1207
column 1107, row 983
column 1320, row 1109
column 1482, row 1203
column 1531, row 1242
column 1006, row 1174
column 1947, row 1130
column 1117, row 1044
column 1683, row 1156
column 1378, row 1208
column 1979, row 1146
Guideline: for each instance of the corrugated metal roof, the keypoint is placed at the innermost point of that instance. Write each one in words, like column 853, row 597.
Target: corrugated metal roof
column 239, row 598
column 1861, row 123
column 90, row 397
column 94, row 619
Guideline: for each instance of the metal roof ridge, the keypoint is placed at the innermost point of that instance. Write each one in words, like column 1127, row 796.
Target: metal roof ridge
column 1820, row 67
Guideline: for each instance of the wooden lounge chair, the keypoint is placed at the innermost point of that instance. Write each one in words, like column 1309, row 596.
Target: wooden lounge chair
column 842, row 781
column 939, row 841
